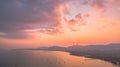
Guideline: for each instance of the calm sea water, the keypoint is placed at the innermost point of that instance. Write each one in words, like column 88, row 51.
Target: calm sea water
column 38, row 58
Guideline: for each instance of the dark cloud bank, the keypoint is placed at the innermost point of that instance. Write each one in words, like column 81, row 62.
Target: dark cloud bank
column 19, row 15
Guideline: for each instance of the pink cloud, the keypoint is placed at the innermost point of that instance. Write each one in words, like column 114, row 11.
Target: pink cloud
column 75, row 23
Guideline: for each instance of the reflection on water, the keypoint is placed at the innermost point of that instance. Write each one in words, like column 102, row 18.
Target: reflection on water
column 47, row 59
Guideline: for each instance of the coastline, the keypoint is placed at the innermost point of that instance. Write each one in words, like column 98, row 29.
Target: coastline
column 109, row 53
column 113, row 60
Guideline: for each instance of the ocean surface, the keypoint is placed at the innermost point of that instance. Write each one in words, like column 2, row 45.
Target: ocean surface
column 37, row 58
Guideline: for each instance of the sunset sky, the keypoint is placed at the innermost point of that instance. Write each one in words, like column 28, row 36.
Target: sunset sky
column 34, row 23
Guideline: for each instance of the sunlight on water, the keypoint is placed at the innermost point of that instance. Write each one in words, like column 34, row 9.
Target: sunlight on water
column 47, row 59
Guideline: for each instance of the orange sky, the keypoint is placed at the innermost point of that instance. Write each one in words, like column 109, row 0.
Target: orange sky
column 73, row 22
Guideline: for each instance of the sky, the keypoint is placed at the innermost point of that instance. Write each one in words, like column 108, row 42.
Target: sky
column 34, row 23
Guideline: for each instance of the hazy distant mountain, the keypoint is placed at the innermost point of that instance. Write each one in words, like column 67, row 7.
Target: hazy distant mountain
column 57, row 48
column 109, row 47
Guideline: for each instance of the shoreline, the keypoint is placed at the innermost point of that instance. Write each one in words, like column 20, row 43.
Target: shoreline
column 109, row 53
column 112, row 60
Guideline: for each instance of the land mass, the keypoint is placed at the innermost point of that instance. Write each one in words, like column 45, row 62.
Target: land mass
column 109, row 52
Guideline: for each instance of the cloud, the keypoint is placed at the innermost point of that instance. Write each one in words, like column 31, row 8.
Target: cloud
column 45, row 15
column 50, row 31
column 78, row 21
column 20, row 15
column 100, row 5
column 15, row 35
column 119, row 9
column 97, row 4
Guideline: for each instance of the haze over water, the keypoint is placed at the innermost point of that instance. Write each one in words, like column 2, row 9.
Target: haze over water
column 37, row 58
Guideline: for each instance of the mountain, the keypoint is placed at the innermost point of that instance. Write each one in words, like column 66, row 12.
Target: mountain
column 54, row 48
column 113, row 47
